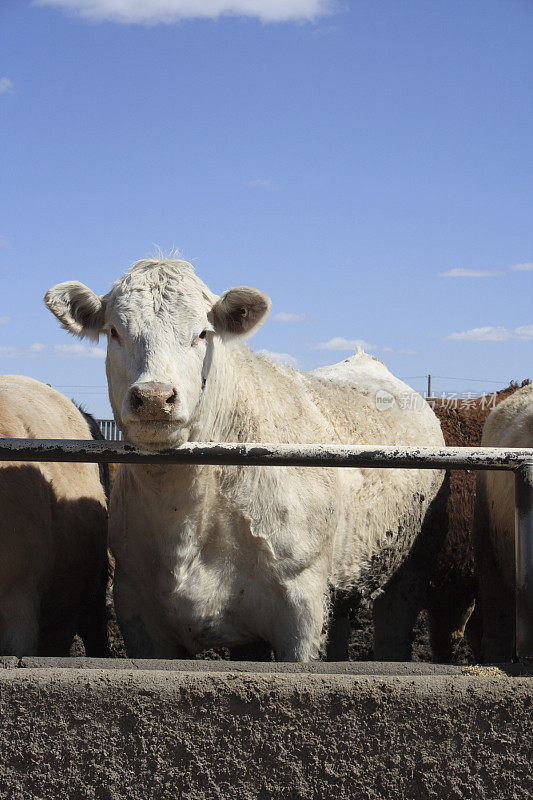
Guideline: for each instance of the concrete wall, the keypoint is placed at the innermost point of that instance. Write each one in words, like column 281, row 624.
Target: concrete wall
column 199, row 730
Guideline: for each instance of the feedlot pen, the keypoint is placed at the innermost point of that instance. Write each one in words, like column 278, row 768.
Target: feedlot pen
column 517, row 460
column 116, row 729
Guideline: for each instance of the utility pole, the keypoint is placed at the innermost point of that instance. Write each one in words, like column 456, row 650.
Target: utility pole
column 429, row 386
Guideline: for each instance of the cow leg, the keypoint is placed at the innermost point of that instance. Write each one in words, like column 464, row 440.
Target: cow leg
column 93, row 619
column 396, row 608
column 496, row 601
column 338, row 635
column 474, row 632
column 138, row 642
column 298, row 633
column 447, row 622
column 395, row 611
column 497, row 611
column 339, row 626
column 19, row 624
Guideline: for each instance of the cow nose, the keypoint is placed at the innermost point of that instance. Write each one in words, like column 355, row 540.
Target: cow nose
column 153, row 400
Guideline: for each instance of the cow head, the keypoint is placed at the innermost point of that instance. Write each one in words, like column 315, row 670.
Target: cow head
column 161, row 321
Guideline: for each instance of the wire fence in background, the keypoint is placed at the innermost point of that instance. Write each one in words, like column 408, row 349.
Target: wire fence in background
column 429, row 386
column 110, row 430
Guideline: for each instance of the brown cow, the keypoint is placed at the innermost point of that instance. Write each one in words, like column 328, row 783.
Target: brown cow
column 453, row 586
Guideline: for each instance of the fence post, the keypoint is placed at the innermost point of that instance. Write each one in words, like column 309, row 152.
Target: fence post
column 524, row 560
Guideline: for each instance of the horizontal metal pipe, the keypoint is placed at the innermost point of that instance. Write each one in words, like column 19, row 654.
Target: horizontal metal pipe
column 259, row 454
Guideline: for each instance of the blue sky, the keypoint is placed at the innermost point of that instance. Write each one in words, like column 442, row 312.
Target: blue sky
column 368, row 164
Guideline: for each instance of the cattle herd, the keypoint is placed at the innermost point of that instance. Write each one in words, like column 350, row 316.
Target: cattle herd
column 224, row 556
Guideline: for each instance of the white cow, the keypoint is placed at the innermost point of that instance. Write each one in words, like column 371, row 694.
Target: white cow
column 510, row 424
column 209, row 556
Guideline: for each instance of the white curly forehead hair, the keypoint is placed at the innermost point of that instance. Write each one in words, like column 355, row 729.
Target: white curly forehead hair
column 166, row 279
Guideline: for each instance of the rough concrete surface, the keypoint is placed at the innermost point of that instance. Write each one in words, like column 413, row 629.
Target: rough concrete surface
column 201, row 734
column 405, row 668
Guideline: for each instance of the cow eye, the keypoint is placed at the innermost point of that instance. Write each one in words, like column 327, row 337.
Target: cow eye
column 113, row 333
column 201, row 335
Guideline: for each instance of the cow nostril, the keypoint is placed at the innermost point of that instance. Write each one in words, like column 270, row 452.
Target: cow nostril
column 136, row 400
column 153, row 400
column 171, row 399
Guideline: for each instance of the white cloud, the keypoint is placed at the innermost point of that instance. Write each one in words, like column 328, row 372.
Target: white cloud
column 492, row 334
column 79, row 350
column 523, row 332
column 527, row 266
column 6, row 86
column 5, row 320
column 169, row 11
column 12, row 352
column 38, row 348
column 471, row 273
column 263, row 183
column 486, row 334
column 283, row 316
column 340, row 343
column 281, row 358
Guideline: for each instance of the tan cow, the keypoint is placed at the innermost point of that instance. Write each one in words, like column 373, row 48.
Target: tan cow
column 510, row 424
column 53, row 531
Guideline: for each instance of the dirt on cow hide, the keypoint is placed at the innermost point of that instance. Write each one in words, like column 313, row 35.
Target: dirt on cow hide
column 462, row 424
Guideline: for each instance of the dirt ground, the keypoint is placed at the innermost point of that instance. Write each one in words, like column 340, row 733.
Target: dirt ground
column 462, row 424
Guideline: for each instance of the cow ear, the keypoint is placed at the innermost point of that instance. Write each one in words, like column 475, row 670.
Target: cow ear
column 240, row 311
column 78, row 308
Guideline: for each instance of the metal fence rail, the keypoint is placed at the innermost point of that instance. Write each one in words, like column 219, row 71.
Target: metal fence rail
column 255, row 454
column 516, row 460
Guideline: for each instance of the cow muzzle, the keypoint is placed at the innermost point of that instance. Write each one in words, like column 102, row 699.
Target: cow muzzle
column 153, row 401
